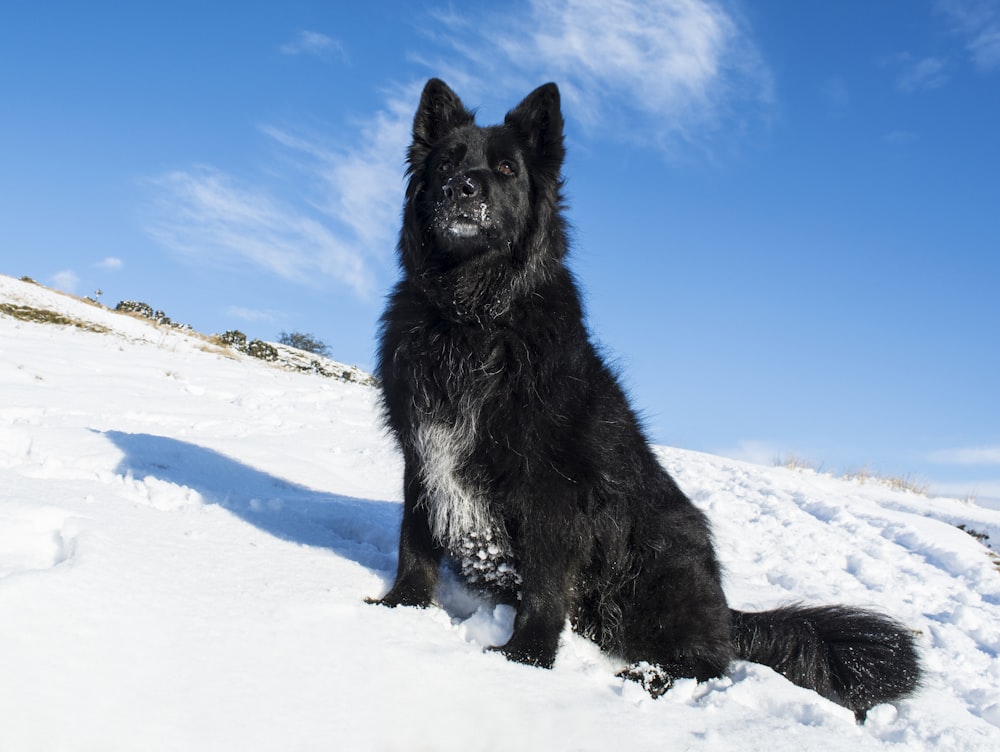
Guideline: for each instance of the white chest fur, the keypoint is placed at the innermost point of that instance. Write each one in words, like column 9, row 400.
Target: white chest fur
column 455, row 505
column 459, row 514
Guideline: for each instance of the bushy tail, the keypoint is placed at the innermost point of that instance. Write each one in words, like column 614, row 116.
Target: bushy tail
column 854, row 657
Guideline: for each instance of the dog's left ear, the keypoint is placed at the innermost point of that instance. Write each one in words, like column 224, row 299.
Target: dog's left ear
column 539, row 120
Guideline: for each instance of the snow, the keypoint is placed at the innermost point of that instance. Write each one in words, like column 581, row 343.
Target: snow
column 187, row 536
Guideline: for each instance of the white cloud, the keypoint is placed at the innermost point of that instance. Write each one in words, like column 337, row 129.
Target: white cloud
column 339, row 222
column 982, row 455
column 919, row 74
column 360, row 187
column 66, row 280
column 110, row 264
column 250, row 314
column 663, row 72
column 210, row 218
column 756, row 452
column 666, row 73
column 978, row 22
column 985, row 493
column 315, row 44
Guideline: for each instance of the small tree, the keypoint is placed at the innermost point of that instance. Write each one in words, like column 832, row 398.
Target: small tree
column 306, row 342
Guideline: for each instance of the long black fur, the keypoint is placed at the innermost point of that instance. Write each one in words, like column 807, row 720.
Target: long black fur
column 524, row 462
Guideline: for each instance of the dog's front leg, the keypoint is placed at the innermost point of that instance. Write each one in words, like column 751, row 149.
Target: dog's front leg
column 419, row 556
column 536, row 636
column 543, row 606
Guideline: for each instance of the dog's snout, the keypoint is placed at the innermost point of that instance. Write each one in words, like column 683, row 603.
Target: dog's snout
column 461, row 186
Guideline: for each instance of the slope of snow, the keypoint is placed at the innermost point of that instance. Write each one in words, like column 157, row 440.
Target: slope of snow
column 187, row 536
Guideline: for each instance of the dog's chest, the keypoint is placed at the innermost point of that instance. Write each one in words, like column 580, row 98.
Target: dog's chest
column 458, row 506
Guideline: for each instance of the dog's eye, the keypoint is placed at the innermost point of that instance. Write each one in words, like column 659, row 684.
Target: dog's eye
column 445, row 166
column 506, row 167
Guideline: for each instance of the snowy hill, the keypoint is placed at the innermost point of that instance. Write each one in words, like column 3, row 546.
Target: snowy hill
column 187, row 535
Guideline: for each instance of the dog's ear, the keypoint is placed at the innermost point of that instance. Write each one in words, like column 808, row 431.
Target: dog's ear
column 539, row 120
column 440, row 111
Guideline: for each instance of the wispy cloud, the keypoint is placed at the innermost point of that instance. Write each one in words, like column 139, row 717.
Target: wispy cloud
column 338, row 223
column 985, row 493
column 66, row 280
column 360, row 187
column 211, row 218
column 250, row 314
column 916, row 74
column 315, row 44
column 978, row 23
column 981, row 455
column 669, row 73
column 755, row 451
column 110, row 264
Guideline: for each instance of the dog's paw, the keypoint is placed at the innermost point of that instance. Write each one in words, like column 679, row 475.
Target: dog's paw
column 401, row 597
column 652, row 677
column 527, row 655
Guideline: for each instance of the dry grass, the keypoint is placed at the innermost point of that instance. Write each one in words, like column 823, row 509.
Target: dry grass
column 898, row 483
column 45, row 316
column 794, row 462
column 864, row 475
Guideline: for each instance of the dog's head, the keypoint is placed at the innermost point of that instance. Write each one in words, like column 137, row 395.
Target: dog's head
column 481, row 191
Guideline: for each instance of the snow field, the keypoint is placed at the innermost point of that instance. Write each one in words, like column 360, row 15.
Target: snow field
column 187, row 536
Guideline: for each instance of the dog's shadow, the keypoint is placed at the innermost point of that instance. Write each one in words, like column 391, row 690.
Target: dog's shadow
column 362, row 530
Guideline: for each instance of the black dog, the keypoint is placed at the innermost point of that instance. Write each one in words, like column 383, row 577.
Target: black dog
column 525, row 463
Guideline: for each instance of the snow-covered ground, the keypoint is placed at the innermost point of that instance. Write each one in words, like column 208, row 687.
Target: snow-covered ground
column 187, row 536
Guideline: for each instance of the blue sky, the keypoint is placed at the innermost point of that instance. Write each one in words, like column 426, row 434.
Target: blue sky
column 786, row 215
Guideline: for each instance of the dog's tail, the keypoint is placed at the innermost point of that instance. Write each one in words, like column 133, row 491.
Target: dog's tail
column 854, row 657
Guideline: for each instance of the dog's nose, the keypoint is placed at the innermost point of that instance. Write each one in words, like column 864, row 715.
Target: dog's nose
column 461, row 186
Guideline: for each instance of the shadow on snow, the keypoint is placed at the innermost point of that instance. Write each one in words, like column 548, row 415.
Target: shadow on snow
column 362, row 530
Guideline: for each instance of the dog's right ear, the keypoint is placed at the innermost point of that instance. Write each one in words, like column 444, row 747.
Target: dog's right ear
column 440, row 111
